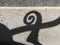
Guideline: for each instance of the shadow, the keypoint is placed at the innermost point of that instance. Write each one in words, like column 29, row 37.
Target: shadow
column 6, row 34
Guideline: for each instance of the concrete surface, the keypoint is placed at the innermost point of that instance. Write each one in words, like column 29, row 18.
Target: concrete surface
column 13, row 18
column 29, row 3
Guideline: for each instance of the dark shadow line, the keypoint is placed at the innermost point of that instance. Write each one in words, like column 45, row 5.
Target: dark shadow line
column 29, row 28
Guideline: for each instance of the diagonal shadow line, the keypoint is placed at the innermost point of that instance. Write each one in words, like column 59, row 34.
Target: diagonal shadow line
column 29, row 28
column 51, row 24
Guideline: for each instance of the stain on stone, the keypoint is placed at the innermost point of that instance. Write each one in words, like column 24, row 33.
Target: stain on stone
column 1, row 20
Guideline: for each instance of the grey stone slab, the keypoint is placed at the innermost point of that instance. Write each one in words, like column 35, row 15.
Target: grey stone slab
column 14, row 19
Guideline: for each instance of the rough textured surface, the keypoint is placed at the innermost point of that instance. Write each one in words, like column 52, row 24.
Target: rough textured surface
column 13, row 18
column 29, row 2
